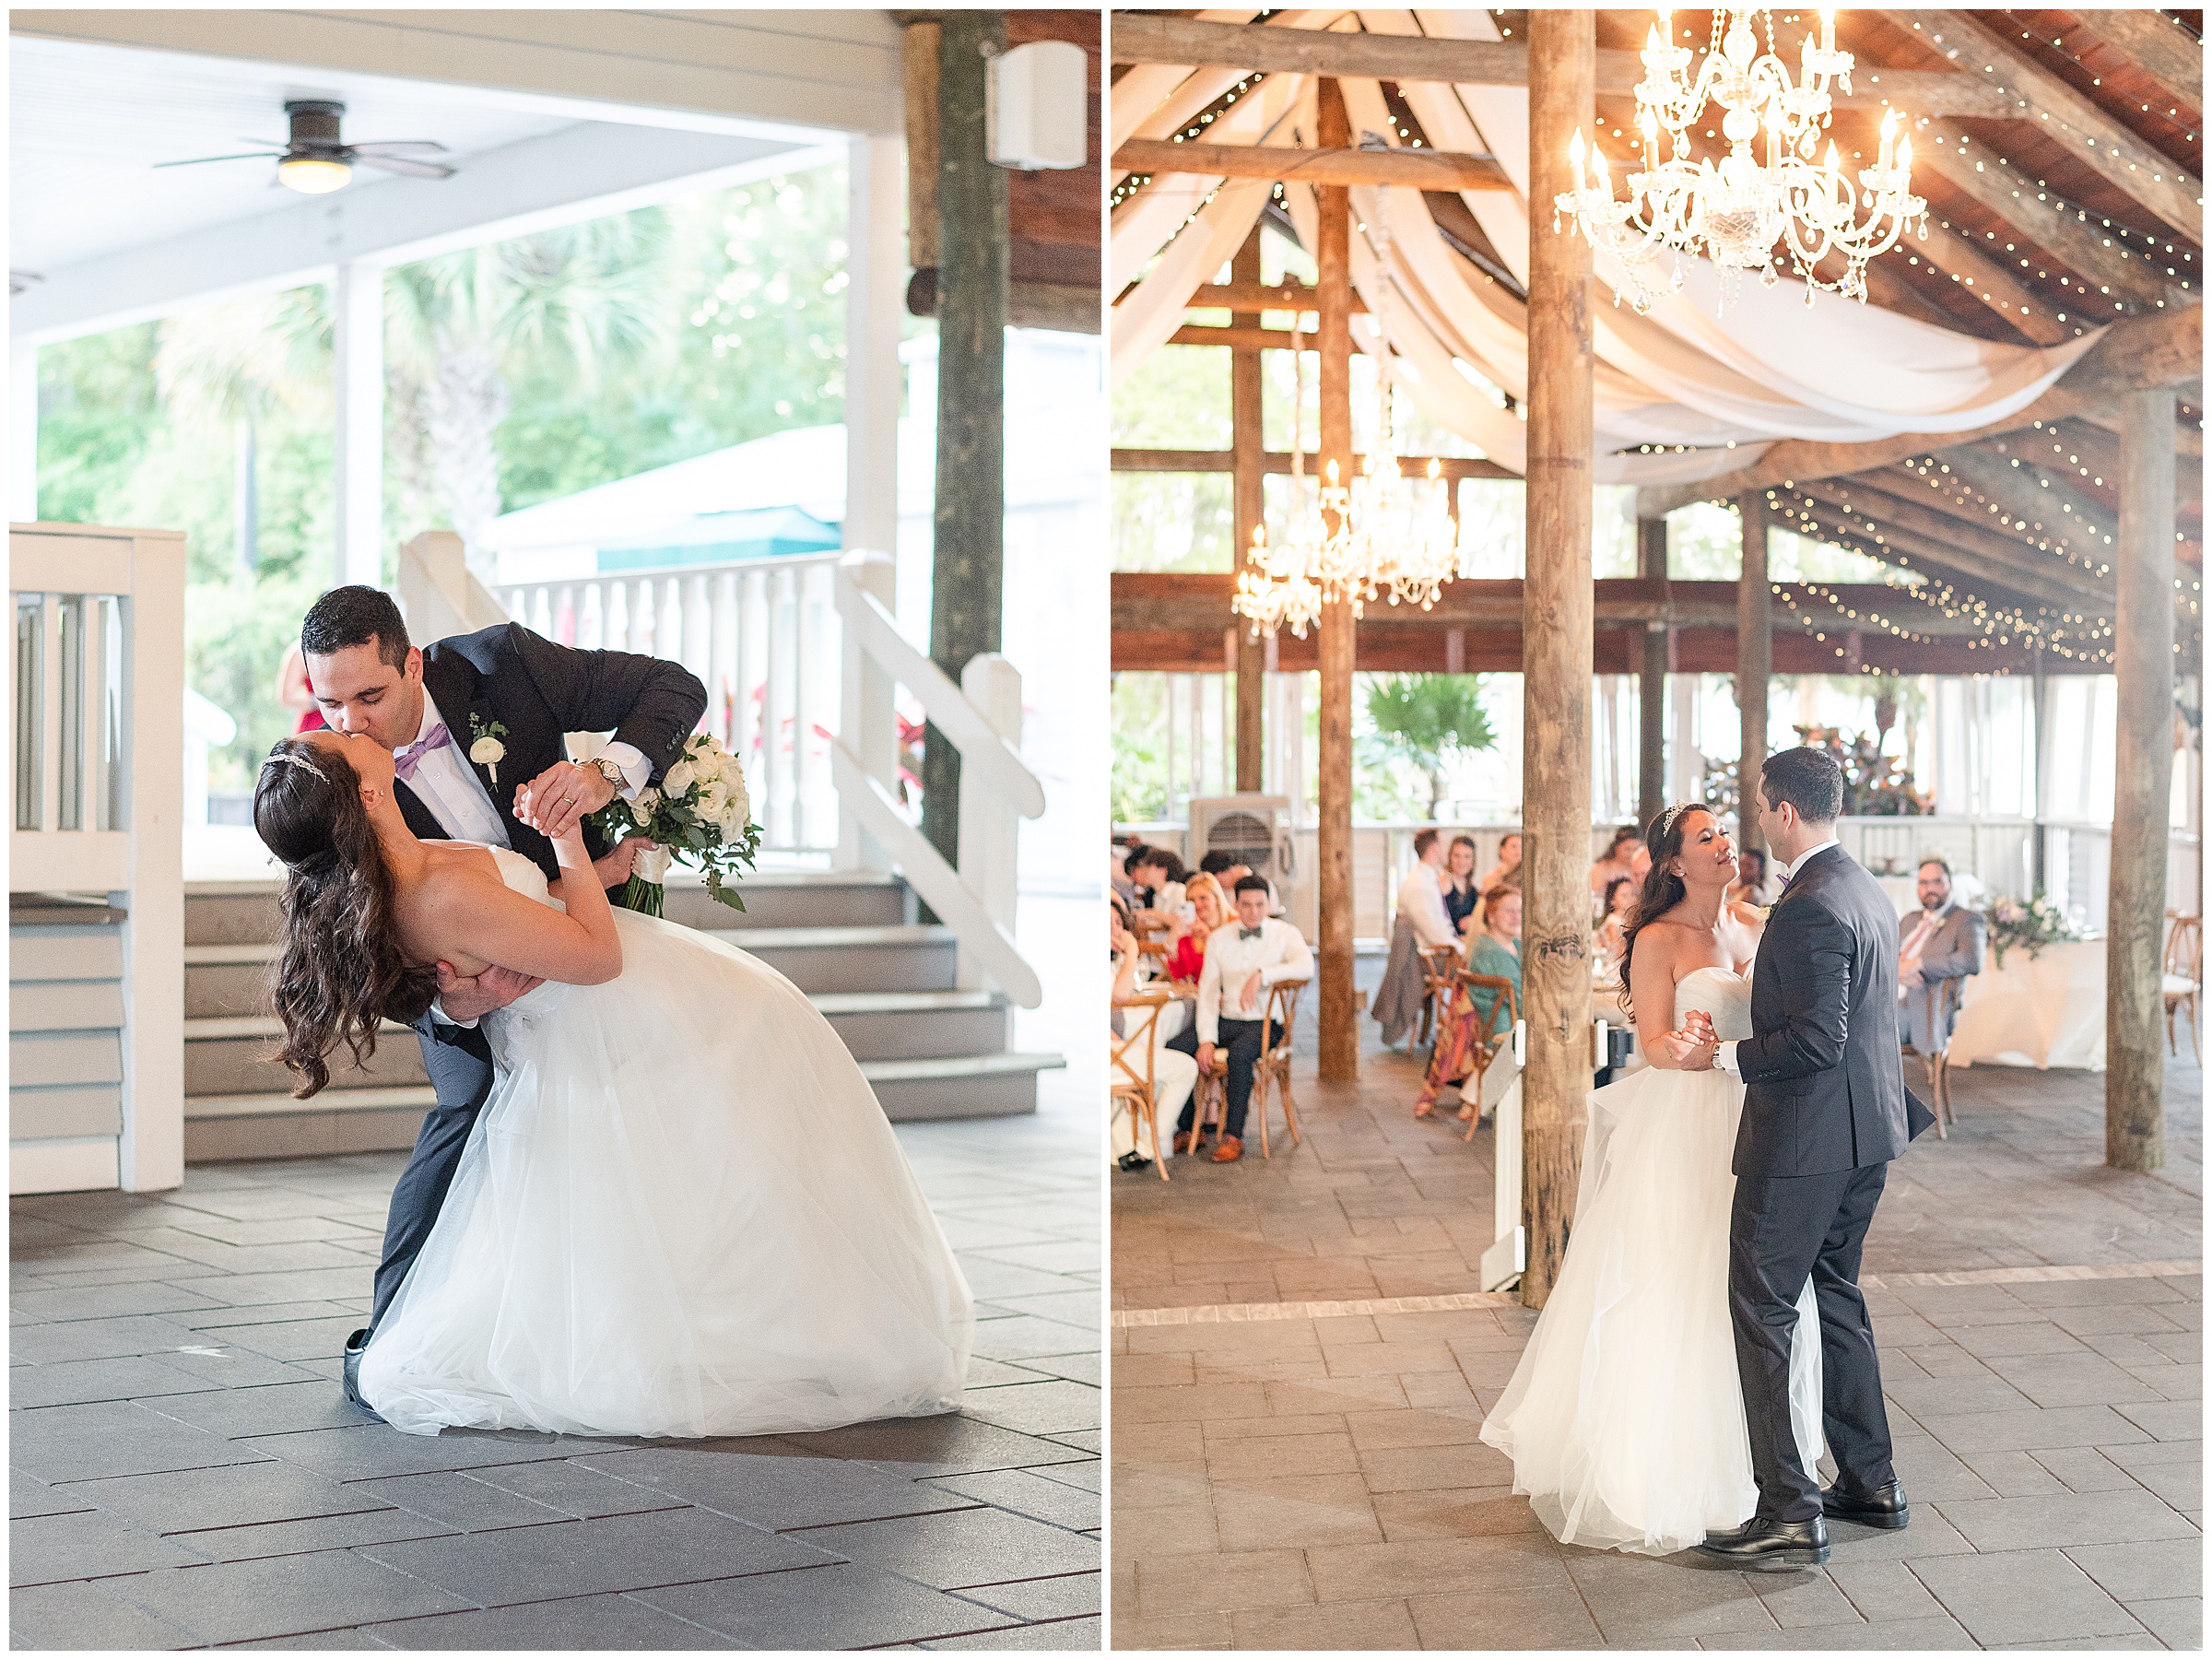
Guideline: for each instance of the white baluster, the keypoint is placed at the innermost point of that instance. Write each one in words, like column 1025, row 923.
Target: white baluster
column 617, row 617
column 752, row 687
column 591, row 622
column 541, row 611
column 802, row 700
column 699, row 624
column 776, row 718
column 564, row 615
column 722, row 662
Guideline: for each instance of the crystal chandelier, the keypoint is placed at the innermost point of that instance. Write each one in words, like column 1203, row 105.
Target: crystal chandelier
column 1388, row 540
column 1743, row 212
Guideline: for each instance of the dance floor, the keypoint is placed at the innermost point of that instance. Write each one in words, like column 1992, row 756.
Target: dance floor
column 1296, row 1466
column 185, row 1471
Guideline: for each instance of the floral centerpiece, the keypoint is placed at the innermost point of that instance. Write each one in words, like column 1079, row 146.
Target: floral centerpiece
column 701, row 814
column 2030, row 924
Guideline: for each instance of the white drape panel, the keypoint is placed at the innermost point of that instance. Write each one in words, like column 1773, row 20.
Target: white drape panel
column 1678, row 375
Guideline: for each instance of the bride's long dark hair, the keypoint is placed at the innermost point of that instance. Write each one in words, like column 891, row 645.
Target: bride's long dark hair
column 341, row 970
column 1663, row 890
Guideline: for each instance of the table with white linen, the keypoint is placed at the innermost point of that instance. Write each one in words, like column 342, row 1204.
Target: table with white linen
column 2045, row 1010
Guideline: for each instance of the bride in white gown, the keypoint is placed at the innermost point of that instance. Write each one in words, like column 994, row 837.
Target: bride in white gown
column 1624, row 1418
column 681, row 1212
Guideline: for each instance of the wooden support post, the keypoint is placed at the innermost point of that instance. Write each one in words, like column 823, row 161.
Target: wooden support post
column 1754, row 663
column 1651, row 688
column 966, row 575
column 1245, row 406
column 1339, row 1029
column 1556, row 657
column 2135, row 1079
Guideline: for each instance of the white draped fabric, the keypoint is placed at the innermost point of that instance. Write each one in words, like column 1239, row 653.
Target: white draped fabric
column 1727, row 381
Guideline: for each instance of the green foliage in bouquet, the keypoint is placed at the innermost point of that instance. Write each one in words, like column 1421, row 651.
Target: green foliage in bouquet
column 2030, row 924
column 699, row 814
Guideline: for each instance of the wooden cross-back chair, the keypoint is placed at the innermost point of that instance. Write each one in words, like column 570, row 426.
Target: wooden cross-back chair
column 2184, row 979
column 1943, row 998
column 1279, row 1027
column 1490, row 1036
column 1440, row 965
column 1132, row 1053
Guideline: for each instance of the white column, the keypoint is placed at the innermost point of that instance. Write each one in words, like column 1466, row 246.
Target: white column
column 358, row 329
column 22, row 431
column 874, row 304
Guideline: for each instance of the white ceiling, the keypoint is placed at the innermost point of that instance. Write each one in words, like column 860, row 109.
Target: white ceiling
column 87, row 122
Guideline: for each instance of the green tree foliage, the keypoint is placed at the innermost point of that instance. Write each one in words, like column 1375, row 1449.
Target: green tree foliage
column 1426, row 722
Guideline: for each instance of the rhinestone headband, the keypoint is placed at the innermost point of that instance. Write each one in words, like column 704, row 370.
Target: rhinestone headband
column 297, row 760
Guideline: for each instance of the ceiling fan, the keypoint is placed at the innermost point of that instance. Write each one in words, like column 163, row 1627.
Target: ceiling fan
column 317, row 161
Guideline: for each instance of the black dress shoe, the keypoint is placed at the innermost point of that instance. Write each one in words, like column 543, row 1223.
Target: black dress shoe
column 1883, row 1507
column 1762, row 1547
column 1135, row 1162
column 355, row 1344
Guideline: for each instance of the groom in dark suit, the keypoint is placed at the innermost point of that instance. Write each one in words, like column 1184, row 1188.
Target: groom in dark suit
column 476, row 725
column 1825, row 1111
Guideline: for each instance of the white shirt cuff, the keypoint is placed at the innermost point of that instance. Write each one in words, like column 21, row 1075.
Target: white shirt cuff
column 633, row 766
column 439, row 1015
column 1725, row 1058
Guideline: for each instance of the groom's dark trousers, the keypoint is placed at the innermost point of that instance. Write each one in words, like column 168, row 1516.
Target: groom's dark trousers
column 1825, row 1111
column 536, row 692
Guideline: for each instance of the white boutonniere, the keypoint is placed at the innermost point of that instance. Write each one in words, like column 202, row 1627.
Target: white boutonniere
column 485, row 747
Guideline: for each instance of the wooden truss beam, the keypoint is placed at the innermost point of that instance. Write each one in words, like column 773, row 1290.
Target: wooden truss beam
column 1979, row 555
column 2102, row 141
column 2164, row 348
column 1422, row 169
column 1155, row 38
column 1260, row 296
column 1278, row 461
column 1983, row 277
column 2159, row 46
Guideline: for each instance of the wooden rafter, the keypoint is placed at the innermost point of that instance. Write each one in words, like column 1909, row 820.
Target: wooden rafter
column 1278, row 461
column 1422, row 169
column 2000, row 289
column 2046, row 506
column 2103, row 143
column 1976, row 171
column 1154, row 38
column 2159, row 46
column 1887, row 520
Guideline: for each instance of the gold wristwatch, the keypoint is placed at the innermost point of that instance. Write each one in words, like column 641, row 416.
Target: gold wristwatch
column 608, row 770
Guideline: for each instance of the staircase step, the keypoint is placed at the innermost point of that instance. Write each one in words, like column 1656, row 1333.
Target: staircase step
column 968, row 1085
column 894, row 1026
column 231, row 1056
column 791, row 899
column 882, row 958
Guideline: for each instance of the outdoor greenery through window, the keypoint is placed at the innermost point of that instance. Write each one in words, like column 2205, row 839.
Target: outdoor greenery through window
column 516, row 372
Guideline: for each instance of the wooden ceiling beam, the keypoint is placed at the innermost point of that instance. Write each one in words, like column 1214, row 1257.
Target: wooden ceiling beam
column 1261, row 297
column 1421, row 170
column 1975, row 172
column 1904, row 498
column 1157, row 37
column 2157, row 44
column 2101, row 141
column 1987, row 280
column 1881, row 519
column 2163, row 348
column 1278, row 461
column 2048, row 507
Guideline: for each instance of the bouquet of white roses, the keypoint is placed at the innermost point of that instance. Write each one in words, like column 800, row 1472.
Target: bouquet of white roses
column 699, row 814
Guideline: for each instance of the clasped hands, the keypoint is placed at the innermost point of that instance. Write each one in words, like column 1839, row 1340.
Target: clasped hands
column 1692, row 1049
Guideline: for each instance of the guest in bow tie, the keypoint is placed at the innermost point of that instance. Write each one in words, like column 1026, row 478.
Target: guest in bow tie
column 1241, row 962
column 476, row 727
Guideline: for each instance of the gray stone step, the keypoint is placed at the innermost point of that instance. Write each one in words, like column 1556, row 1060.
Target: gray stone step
column 975, row 1085
column 854, row 960
column 231, row 1056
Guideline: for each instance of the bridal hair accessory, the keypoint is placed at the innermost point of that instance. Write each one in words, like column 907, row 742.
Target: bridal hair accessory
column 297, row 760
column 1666, row 820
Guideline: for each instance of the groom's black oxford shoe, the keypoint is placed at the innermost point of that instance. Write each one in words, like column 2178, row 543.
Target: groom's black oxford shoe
column 355, row 1344
column 1883, row 1507
column 1760, row 1547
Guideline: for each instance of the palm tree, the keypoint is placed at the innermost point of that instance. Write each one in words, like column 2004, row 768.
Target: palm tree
column 590, row 297
column 1426, row 721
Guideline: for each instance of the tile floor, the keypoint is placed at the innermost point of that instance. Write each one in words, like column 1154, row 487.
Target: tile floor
column 186, row 1473
column 1318, row 1482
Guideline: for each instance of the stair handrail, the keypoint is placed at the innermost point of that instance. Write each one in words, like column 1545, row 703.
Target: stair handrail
column 985, row 756
column 439, row 594
column 956, row 905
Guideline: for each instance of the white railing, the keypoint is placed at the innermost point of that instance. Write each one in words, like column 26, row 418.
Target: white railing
column 96, row 745
column 804, row 664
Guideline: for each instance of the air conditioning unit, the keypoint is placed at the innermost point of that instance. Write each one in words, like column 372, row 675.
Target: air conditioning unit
column 1255, row 829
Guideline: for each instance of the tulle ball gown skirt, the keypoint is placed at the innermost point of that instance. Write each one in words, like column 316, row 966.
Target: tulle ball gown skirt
column 681, row 1212
column 1624, row 1418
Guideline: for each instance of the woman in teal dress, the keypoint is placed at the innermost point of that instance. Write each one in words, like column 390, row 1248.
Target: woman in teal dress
column 1474, row 1018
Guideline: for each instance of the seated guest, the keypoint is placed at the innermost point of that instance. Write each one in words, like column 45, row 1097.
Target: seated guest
column 1621, row 894
column 1750, row 885
column 1507, row 866
column 1159, row 878
column 1226, row 869
column 1941, row 941
column 1422, row 922
column 1461, row 894
column 1208, row 911
column 1626, row 840
column 1241, row 962
column 1175, row 1074
column 1474, row 1018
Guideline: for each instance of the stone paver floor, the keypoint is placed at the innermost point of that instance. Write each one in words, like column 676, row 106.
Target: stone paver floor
column 1317, row 1482
column 185, row 1472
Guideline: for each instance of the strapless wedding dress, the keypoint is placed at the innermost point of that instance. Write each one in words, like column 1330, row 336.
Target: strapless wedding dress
column 681, row 1212
column 1624, row 1418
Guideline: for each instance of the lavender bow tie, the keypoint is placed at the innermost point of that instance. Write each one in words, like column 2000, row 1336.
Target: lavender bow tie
column 408, row 757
